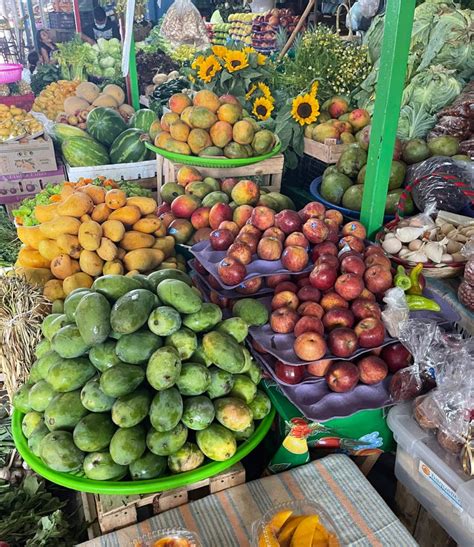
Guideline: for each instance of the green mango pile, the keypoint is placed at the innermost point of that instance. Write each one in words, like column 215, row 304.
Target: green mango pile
column 138, row 378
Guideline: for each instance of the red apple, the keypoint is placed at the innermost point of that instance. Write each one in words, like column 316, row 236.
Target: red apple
column 274, row 280
column 334, row 214
column 258, row 347
column 294, row 258
column 373, row 250
column 338, row 317
column 353, row 264
column 213, row 282
column 288, row 373
column 273, row 231
column 250, row 229
column 342, row 376
column 250, row 240
column 315, row 230
column 324, row 248
column 318, row 368
column 285, row 299
column 228, row 225
column 231, row 271
column 199, row 267
column 378, row 259
column 308, row 323
column 370, row 332
column 269, row 248
column 372, row 369
column 331, row 300
column 311, row 309
column 368, row 295
column 309, row 293
column 363, row 307
column 331, row 260
column 378, row 279
column 286, row 286
column 288, row 221
column 323, row 277
column 251, row 286
column 310, row 346
column 313, row 209
column 240, row 251
column 221, row 240
column 355, row 243
column 354, row 228
column 218, row 213
column 396, row 356
column 283, row 320
column 298, row 239
column 342, row 342
column 262, row 217
column 349, row 286
column 303, row 281
column 220, row 300
column 348, row 252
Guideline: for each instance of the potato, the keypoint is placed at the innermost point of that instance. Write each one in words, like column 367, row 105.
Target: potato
column 60, row 225
column 114, row 199
column 69, row 244
column 30, row 235
column 136, row 240
column 76, row 281
column 146, row 205
column 45, row 213
column 113, row 230
column 63, row 266
column 49, row 249
column 147, row 225
column 53, row 290
column 91, row 263
column 75, row 205
column 107, row 250
column 100, row 213
column 114, row 267
column 143, row 260
column 31, row 258
column 90, row 234
column 96, row 193
column 166, row 244
column 128, row 215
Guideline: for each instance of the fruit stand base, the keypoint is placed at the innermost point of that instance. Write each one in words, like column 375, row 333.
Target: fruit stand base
column 328, row 152
column 107, row 513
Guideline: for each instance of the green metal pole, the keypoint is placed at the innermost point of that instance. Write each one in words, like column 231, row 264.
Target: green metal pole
column 393, row 63
column 132, row 73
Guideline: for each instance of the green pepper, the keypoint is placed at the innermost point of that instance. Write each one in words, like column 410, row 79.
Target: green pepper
column 401, row 279
column 416, row 302
column 415, row 275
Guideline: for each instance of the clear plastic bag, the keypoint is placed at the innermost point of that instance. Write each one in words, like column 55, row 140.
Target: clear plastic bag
column 162, row 538
column 396, row 312
column 183, row 24
column 368, row 8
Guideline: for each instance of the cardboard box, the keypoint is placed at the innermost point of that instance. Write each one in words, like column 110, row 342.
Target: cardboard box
column 16, row 188
column 33, row 156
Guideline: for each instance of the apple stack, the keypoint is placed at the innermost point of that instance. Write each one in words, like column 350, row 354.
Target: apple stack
column 266, row 27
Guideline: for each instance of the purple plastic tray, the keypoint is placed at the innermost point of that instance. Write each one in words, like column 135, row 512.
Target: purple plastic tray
column 318, row 403
column 281, row 345
column 257, row 268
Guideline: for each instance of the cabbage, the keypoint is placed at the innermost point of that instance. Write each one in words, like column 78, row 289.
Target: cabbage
column 109, row 73
column 115, row 42
column 102, row 44
column 414, row 123
column 107, row 62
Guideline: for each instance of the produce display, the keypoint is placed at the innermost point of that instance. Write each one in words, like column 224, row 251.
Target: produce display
column 139, row 378
column 18, row 88
column 105, row 59
column 16, row 123
column 218, row 33
column 152, row 64
column 211, row 126
column 51, row 99
column 194, row 205
column 241, row 27
column 162, row 93
column 267, row 28
column 89, row 231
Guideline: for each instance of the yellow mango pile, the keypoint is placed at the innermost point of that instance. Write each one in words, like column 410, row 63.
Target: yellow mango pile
column 51, row 100
column 16, row 122
column 91, row 231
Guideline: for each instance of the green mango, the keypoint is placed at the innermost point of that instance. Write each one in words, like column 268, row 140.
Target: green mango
column 260, row 405
column 216, row 442
column 41, row 395
column 164, row 368
column 35, row 439
column 64, row 411
column 145, row 283
column 94, row 399
column 103, row 356
column 179, row 295
column 57, row 306
column 121, row 380
column 131, row 409
column 223, row 351
column 131, row 311
column 128, row 444
column 93, row 432
column 252, row 311
column 233, row 413
column 21, row 398
column 46, row 325
column 254, row 372
column 198, row 412
column 194, row 379
column 99, row 466
column 42, row 347
column 166, row 409
column 93, row 318
column 31, row 420
column 137, row 348
column 221, row 382
column 45, row 362
column 243, row 388
column 235, row 327
column 184, row 341
column 114, row 287
column 70, row 374
column 68, row 342
column 35, row 375
column 164, row 321
column 205, row 319
column 187, row 458
column 148, row 466
column 55, row 325
column 245, row 433
column 59, row 452
column 200, row 357
column 155, row 278
column 71, row 302
column 164, row 443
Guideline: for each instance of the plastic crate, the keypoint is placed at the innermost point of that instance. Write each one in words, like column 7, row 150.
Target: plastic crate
column 21, row 101
column 308, row 169
column 433, row 476
column 61, row 20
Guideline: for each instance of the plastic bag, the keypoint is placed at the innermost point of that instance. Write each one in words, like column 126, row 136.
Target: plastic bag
column 396, row 312
column 368, row 8
column 183, row 24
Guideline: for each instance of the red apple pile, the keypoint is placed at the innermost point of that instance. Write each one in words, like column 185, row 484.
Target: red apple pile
column 265, row 27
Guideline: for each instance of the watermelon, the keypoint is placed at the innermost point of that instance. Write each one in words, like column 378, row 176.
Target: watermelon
column 84, row 152
column 142, row 119
column 62, row 131
column 129, row 147
column 105, row 125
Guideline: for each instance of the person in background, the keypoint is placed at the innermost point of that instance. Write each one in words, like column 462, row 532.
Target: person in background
column 46, row 46
column 102, row 27
column 33, row 60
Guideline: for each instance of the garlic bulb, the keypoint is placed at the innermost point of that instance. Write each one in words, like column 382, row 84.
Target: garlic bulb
column 405, row 235
column 392, row 245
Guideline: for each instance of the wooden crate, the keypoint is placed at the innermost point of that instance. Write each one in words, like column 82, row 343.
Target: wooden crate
column 270, row 170
column 107, row 513
column 329, row 152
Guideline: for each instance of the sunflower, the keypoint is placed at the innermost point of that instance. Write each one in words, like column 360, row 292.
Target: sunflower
column 261, row 59
column 248, row 50
column 236, row 60
column 265, row 91
column 219, row 51
column 250, row 92
column 262, row 108
column 208, row 68
column 314, row 88
column 197, row 61
column 305, row 109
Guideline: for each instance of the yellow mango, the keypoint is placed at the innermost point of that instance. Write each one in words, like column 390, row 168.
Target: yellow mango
column 49, row 249
column 146, row 205
column 304, row 532
column 60, row 225
column 76, row 281
column 90, row 234
column 31, row 258
column 76, row 205
column 30, row 235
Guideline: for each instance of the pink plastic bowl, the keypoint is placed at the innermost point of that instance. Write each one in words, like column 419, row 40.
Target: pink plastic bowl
column 10, row 73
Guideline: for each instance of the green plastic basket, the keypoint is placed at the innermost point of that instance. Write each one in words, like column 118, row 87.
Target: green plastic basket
column 217, row 161
column 127, row 488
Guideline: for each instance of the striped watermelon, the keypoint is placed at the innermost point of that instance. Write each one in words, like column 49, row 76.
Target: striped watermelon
column 142, row 119
column 105, row 125
column 129, row 147
column 62, row 131
column 81, row 152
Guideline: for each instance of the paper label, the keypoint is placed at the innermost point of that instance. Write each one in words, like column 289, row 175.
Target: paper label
column 438, row 483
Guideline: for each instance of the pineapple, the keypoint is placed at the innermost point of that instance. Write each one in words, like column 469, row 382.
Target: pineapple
column 4, row 90
column 24, row 88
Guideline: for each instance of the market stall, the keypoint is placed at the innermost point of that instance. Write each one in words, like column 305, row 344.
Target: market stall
column 247, row 274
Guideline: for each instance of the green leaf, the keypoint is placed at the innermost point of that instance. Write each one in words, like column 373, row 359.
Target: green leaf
column 298, row 140
column 291, row 159
column 225, row 76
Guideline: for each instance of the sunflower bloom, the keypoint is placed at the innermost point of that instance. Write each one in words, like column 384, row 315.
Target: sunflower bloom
column 248, row 50
column 236, row 60
column 262, row 108
column 197, row 61
column 219, row 51
column 314, row 88
column 208, row 68
column 305, row 109
column 265, row 91
column 261, row 59
column 250, row 92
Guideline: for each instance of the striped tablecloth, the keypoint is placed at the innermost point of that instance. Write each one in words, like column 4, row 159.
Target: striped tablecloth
column 225, row 519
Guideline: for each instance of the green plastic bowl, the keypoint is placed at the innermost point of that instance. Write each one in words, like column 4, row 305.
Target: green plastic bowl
column 216, row 161
column 127, row 488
